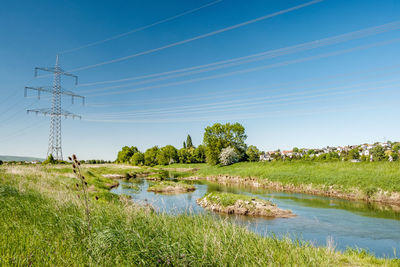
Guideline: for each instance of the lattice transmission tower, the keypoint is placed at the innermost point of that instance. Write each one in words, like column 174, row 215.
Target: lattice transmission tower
column 55, row 112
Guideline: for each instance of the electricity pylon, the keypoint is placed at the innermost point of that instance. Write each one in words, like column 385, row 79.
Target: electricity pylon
column 55, row 112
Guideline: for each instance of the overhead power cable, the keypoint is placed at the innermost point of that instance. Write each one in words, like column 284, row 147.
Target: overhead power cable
column 5, row 100
column 16, row 113
column 140, row 28
column 251, row 58
column 245, row 102
column 332, row 78
column 217, row 115
column 17, row 133
column 199, row 36
column 22, row 131
column 248, row 70
column 269, row 53
column 13, row 104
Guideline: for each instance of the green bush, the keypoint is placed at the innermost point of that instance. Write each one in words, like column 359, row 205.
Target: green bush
column 50, row 160
column 253, row 154
column 150, row 156
column 167, row 155
column 137, row 159
column 126, row 153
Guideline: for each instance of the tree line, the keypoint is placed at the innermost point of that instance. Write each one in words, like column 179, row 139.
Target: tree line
column 222, row 144
column 163, row 156
column 51, row 160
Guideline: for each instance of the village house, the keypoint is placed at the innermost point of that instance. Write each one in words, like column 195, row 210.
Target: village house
column 287, row 153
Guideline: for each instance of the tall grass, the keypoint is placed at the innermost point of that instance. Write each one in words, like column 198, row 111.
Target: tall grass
column 42, row 223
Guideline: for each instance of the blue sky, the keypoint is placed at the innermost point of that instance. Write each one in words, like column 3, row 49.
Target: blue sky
column 342, row 89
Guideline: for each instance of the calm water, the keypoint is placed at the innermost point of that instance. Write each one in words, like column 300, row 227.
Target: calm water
column 348, row 224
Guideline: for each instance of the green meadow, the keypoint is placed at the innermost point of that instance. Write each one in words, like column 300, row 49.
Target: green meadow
column 346, row 175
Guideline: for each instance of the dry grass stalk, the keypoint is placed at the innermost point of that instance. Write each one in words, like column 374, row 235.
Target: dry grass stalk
column 84, row 187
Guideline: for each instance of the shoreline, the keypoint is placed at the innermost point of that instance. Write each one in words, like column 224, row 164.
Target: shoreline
column 380, row 197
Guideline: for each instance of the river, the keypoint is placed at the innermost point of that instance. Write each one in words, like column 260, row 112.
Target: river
column 320, row 220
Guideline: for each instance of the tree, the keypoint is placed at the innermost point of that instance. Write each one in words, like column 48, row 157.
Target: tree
column 220, row 136
column 150, row 156
column 228, row 156
column 184, row 144
column 253, row 153
column 167, row 155
column 200, row 154
column 183, row 155
column 189, row 143
column 396, row 147
column 50, row 160
column 1, row 162
column 295, row 149
column 126, row 153
column 332, row 156
column 190, row 155
column 323, row 156
column 354, row 154
column 137, row 159
column 378, row 153
column 395, row 156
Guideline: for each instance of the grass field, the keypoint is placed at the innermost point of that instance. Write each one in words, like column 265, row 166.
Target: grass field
column 42, row 223
column 363, row 175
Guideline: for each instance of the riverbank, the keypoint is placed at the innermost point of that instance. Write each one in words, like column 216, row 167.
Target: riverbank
column 371, row 181
column 42, row 222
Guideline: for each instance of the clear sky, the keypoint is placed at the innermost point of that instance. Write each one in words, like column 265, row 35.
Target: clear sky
column 326, row 73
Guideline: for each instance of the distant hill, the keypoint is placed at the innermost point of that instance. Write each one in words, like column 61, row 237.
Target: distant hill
column 17, row 158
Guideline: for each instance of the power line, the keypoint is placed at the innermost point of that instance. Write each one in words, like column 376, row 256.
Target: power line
column 14, row 104
column 20, row 132
column 228, row 105
column 263, row 55
column 223, row 94
column 141, row 28
column 13, row 115
column 33, row 125
column 9, row 97
column 236, row 117
column 199, row 36
column 248, row 70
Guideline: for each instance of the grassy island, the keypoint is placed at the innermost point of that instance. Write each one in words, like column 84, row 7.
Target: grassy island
column 170, row 187
column 241, row 204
